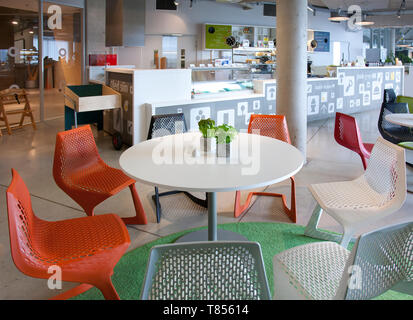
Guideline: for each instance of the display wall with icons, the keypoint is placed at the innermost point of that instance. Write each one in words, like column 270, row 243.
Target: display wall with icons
column 353, row 90
column 235, row 112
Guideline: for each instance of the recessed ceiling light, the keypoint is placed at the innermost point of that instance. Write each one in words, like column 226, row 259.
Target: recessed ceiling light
column 31, row 31
column 15, row 22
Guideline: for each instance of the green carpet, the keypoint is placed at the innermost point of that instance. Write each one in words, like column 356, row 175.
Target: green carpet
column 273, row 238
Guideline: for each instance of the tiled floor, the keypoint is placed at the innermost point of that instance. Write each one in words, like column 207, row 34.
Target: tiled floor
column 31, row 153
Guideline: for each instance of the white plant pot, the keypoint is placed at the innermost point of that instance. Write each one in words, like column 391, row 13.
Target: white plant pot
column 208, row 144
column 224, row 150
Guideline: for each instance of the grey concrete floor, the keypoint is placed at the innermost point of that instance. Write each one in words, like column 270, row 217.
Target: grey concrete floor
column 31, row 154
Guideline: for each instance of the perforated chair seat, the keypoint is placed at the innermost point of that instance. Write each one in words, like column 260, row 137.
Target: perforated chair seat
column 311, row 271
column 79, row 244
column 351, row 201
column 379, row 192
column 100, row 179
column 216, row 270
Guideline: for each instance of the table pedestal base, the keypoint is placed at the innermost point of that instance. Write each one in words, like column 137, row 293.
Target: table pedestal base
column 202, row 235
column 409, row 178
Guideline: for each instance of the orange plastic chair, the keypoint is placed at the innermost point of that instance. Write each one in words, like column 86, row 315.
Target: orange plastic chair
column 274, row 126
column 80, row 172
column 86, row 249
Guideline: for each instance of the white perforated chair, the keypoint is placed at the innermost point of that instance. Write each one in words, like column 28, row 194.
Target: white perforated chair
column 379, row 261
column 207, row 270
column 379, row 192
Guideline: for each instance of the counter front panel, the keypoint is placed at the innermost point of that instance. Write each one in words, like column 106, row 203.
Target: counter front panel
column 235, row 112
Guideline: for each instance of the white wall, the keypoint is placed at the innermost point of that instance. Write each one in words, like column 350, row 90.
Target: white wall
column 338, row 32
column 188, row 22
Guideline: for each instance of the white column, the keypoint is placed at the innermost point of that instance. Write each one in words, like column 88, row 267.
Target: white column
column 292, row 68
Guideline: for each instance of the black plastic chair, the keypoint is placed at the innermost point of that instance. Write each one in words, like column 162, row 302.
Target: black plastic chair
column 389, row 131
column 160, row 126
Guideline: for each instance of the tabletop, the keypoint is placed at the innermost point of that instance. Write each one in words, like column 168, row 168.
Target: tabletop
column 175, row 162
column 401, row 119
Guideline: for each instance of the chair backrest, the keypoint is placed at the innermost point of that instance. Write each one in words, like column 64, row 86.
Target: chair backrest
column 274, row 126
column 75, row 150
column 347, row 133
column 380, row 261
column 13, row 96
column 386, row 173
column 218, row 270
column 25, row 250
column 389, row 108
column 166, row 124
column 389, row 96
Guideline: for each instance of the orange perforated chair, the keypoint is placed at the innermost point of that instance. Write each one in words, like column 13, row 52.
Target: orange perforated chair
column 86, row 249
column 274, row 126
column 80, row 172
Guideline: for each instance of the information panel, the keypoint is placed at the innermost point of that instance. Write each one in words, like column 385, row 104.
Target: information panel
column 323, row 41
column 216, row 35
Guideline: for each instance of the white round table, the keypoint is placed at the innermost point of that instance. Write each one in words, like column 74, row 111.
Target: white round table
column 401, row 119
column 175, row 162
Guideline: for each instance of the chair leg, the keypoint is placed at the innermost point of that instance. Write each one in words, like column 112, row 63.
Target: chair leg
column 5, row 119
column 291, row 212
column 108, row 290
column 200, row 202
column 30, row 112
column 347, row 238
column 140, row 217
column 364, row 161
column 155, row 198
column 312, row 231
column 238, row 208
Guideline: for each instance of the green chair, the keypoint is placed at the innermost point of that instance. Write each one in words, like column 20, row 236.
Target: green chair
column 218, row 270
column 405, row 99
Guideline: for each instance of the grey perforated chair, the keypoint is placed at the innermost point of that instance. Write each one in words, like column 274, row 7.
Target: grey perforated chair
column 164, row 125
column 379, row 261
column 217, row 270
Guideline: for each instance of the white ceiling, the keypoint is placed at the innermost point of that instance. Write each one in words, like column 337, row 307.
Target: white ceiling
column 32, row 5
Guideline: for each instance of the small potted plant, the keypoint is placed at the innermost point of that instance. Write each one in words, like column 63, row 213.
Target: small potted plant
column 207, row 128
column 225, row 135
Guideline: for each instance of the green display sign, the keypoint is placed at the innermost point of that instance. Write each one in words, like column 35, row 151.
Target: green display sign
column 216, row 35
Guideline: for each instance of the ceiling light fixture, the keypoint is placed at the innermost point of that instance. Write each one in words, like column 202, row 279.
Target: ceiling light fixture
column 338, row 15
column 176, row 2
column 402, row 8
column 364, row 22
column 15, row 22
